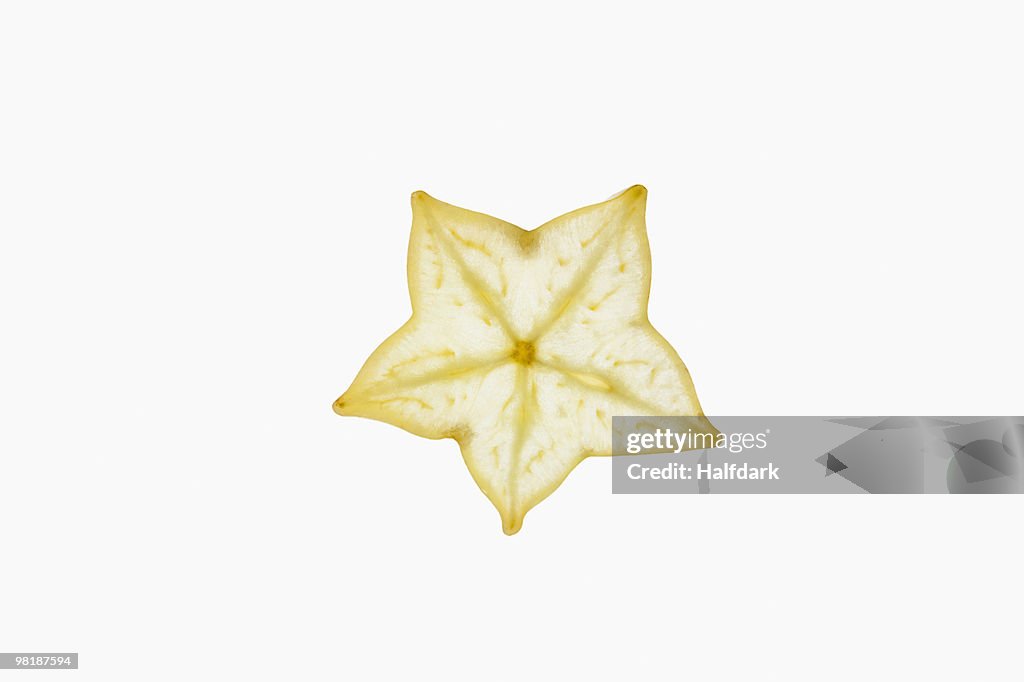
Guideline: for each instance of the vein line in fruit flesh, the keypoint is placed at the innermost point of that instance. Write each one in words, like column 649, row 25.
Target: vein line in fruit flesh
column 476, row 285
column 580, row 280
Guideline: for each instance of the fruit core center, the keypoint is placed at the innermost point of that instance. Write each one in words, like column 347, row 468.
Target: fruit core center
column 523, row 352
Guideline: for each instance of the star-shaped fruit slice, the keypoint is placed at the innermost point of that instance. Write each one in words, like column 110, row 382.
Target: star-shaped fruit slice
column 523, row 344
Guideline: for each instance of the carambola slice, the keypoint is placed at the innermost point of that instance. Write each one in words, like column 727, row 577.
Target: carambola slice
column 523, row 344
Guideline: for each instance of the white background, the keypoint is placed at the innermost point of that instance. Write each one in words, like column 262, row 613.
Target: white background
column 204, row 214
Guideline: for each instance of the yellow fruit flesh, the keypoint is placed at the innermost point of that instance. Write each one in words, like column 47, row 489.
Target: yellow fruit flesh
column 523, row 344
